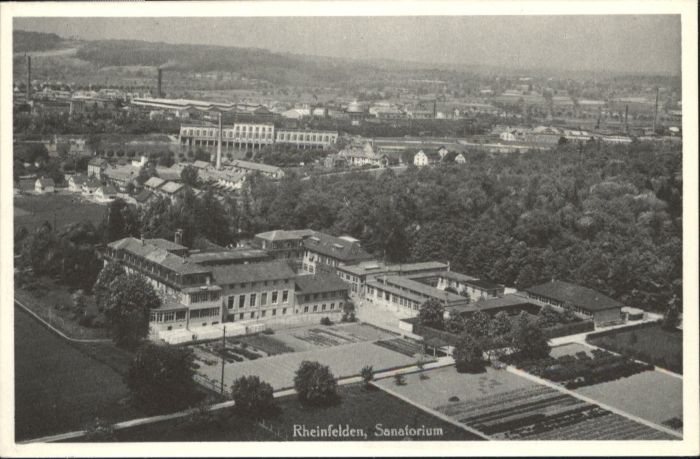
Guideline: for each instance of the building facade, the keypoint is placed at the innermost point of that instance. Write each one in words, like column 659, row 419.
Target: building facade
column 307, row 139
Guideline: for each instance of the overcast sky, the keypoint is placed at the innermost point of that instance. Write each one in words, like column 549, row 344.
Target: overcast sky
column 617, row 43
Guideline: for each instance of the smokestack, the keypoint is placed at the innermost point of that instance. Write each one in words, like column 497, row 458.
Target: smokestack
column 178, row 236
column 656, row 109
column 159, row 93
column 435, row 109
column 627, row 127
column 29, row 78
column 218, row 145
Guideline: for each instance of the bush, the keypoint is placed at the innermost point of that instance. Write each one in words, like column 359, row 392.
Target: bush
column 326, row 321
column 399, row 379
column 269, row 331
column 454, row 398
column 315, row 384
column 253, row 397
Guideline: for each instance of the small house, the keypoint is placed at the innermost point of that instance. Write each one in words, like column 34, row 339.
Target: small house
column 44, row 185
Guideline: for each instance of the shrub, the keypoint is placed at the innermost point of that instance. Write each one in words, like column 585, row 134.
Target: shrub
column 399, row 379
column 454, row 398
column 253, row 397
column 269, row 331
column 315, row 384
column 326, row 321
column 367, row 374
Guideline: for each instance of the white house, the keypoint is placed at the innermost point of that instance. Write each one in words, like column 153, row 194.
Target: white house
column 44, row 185
column 460, row 159
column 76, row 182
column 106, row 192
column 424, row 159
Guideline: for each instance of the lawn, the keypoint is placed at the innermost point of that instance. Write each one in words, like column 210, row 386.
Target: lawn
column 279, row 370
column 61, row 208
column 650, row 395
column 57, row 387
column 358, row 409
column 650, row 344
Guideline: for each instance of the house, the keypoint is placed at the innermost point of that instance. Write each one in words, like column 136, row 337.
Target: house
column 283, row 244
column 122, row 175
column 321, row 293
column 153, row 183
column 424, row 159
column 443, row 151
column 460, row 159
column 76, row 182
column 584, row 302
column 96, row 167
column 361, row 156
column 143, row 198
column 106, row 192
column 323, row 252
column 90, row 186
column 44, row 185
column 173, row 189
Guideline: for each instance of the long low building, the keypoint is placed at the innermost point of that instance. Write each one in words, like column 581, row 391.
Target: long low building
column 405, row 296
column 306, row 139
column 584, row 302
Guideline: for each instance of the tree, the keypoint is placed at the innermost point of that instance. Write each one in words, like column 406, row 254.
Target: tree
column 253, row 397
column 478, row 324
column 348, row 311
column 367, row 374
column 671, row 318
column 161, row 377
column 500, row 327
column 127, row 309
column 529, row 340
column 455, row 324
column 119, row 221
column 109, row 272
column 189, row 176
column 431, row 314
column 315, row 384
column 469, row 354
column 548, row 317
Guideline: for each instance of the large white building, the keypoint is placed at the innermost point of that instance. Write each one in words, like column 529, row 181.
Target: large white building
column 240, row 136
column 307, row 139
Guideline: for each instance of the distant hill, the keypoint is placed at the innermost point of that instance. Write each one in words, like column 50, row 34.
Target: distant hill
column 23, row 41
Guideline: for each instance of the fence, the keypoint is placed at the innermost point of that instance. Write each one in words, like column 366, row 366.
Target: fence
column 273, row 430
column 214, row 386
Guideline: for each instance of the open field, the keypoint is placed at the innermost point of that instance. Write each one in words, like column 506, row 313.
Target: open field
column 505, row 406
column 57, row 387
column 650, row 395
column 279, row 370
column 63, row 208
column 651, row 344
column 358, row 408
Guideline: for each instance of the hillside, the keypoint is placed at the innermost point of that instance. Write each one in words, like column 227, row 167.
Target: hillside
column 23, row 41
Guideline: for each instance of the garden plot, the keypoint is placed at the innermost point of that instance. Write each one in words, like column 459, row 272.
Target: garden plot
column 402, row 346
column 506, row 406
column 319, row 336
column 279, row 370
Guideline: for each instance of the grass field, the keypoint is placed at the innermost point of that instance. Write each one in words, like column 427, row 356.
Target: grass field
column 650, row 344
column 358, row 408
column 650, row 395
column 57, row 387
column 61, row 208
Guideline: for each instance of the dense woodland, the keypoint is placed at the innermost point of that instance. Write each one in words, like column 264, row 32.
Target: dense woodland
column 606, row 217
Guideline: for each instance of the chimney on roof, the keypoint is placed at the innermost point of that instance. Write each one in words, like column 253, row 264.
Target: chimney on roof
column 29, row 78
column 178, row 236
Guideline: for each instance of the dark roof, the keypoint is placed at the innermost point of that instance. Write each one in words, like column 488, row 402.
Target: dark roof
column 316, row 283
column 253, row 272
column 98, row 162
column 46, row 182
column 157, row 255
column 583, row 297
column 335, row 247
column 165, row 244
column 281, row 235
column 143, row 196
column 229, row 255
column 505, row 301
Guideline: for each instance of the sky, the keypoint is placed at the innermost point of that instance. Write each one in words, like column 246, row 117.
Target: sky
column 619, row 43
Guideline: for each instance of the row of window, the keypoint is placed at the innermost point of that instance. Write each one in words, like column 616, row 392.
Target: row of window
column 227, row 132
column 293, row 137
column 253, row 315
column 323, row 296
column 323, row 307
column 208, row 312
column 263, row 283
column 201, row 297
column 168, row 316
column 252, row 298
column 405, row 302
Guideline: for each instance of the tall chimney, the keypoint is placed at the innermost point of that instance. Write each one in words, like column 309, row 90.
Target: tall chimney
column 178, row 236
column 160, row 83
column 656, row 109
column 218, row 144
column 435, row 109
column 627, row 127
column 29, row 78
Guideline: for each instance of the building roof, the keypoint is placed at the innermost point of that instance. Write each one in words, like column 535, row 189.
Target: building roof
column 44, row 182
column 229, row 255
column 583, row 297
column 92, row 182
column 317, row 283
column 165, row 244
column 171, row 187
column 158, row 255
column 143, row 196
column 154, row 182
column 405, row 283
column 167, row 173
column 201, row 164
column 108, row 189
column 253, row 272
column 98, row 162
column 122, row 173
column 372, row 267
column 285, row 235
column 491, row 303
column 335, row 247
column 256, row 166
column 78, row 179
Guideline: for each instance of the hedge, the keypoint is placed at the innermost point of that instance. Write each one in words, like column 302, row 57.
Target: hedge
column 568, row 329
column 613, row 331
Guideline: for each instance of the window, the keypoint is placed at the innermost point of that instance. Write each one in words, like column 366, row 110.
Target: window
column 240, row 316
column 274, row 312
column 315, row 307
column 252, row 315
column 180, row 315
column 285, row 296
column 251, row 303
column 306, row 309
column 274, row 297
column 332, row 306
column 241, row 301
column 323, row 307
column 263, row 299
column 263, row 313
column 284, row 311
column 231, row 300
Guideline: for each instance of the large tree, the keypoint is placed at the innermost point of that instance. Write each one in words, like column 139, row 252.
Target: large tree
column 189, row 176
column 109, row 272
column 131, row 297
column 161, row 377
column 252, row 396
column 529, row 339
column 315, row 384
column 469, row 354
column 431, row 314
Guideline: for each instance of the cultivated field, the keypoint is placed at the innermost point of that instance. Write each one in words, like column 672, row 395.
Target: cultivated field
column 358, row 408
column 651, row 344
column 58, row 388
column 505, row 406
column 318, row 336
column 650, row 395
column 61, row 208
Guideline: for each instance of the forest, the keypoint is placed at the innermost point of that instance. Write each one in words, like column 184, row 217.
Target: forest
column 605, row 217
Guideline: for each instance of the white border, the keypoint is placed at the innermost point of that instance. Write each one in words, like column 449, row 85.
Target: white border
column 687, row 8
